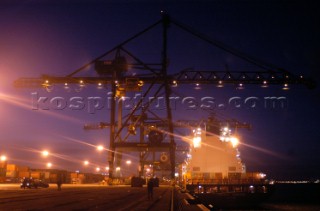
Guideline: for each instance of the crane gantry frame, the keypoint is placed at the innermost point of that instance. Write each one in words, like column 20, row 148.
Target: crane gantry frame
column 114, row 73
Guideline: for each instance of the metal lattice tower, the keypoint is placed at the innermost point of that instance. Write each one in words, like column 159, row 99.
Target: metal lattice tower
column 157, row 81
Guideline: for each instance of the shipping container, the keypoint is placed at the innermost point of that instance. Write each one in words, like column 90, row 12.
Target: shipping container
column 11, row 174
column 23, row 168
column 3, row 165
column 11, row 167
column 35, row 175
column 23, row 174
column 3, row 172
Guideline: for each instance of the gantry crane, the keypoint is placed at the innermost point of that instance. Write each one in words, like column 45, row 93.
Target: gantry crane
column 153, row 79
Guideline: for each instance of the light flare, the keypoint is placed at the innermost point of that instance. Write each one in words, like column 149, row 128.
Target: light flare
column 266, row 151
column 26, row 104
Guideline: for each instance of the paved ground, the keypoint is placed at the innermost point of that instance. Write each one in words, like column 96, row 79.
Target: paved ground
column 84, row 197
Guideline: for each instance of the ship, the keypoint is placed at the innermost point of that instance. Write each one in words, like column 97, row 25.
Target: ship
column 214, row 173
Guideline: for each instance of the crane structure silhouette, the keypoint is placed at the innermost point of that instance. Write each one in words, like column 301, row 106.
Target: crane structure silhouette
column 125, row 74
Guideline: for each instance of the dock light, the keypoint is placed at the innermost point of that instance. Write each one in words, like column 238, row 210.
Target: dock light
column 66, row 87
column 234, row 141
column 264, row 84
column 140, row 83
column 99, row 86
column 262, row 175
column 238, row 154
column 251, row 189
column 118, row 169
column 197, row 86
column 220, row 84
column 285, row 87
column 86, row 162
column 97, row 169
column 100, row 148
column 80, row 86
column 196, row 140
column 45, row 153
column 47, row 86
column 49, row 165
column 240, row 86
column 128, row 162
column 174, row 83
column 107, row 168
column 132, row 129
column 3, row 158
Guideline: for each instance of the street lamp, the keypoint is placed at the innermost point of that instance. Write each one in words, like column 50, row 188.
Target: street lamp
column 3, row 165
column 3, row 158
column 128, row 162
column 100, row 148
column 45, row 153
column 49, row 165
column 86, row 162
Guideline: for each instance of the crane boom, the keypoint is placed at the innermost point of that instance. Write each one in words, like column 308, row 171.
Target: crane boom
column 117, row 74
column 182, row 77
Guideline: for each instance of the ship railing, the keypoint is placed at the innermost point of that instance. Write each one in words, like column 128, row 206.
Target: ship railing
column 228, row 186
column 248, row 181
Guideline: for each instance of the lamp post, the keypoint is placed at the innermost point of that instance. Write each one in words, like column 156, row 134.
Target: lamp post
column 3, row 165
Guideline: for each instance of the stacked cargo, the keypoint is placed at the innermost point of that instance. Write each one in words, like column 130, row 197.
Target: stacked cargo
column 11, row 171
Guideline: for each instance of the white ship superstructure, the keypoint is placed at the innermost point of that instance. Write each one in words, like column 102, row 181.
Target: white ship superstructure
column 213, row 157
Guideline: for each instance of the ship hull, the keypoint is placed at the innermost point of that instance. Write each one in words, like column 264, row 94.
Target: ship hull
column 230, row 196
